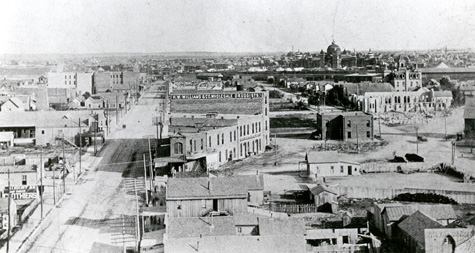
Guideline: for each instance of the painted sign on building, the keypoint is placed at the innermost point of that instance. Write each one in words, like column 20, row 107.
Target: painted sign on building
column 217, row 96
column 21, row 192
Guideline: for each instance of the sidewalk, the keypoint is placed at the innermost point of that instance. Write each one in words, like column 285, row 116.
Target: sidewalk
column 34, row 221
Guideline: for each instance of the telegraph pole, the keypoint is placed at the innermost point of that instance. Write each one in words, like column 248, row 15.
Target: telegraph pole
column 151, row 169
column 9, row 199
column 275, row 149
column 95, row 130
column 137, row 233
column 54, row 186
column 107, row 113
column 145, row 178
column 64, row 168
column 417, row 141
column 116, row 109
column 41, row 182
column 379, row 120
column 80, row 146
column 357, row 144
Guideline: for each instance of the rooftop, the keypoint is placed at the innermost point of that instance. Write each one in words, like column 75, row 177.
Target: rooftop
column 436, row 211
column 220, row 187
column 415, row 224
column 16, row 169
column 315, row 157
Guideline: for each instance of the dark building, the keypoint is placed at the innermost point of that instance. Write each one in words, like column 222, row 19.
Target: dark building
column 345, row 126
column 115, row 81
column 469, row 118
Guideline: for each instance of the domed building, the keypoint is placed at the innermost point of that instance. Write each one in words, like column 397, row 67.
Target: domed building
column 332, row 58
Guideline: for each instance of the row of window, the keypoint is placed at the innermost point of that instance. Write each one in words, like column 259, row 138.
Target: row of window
column 368, row 123
column 253, row 128
column 368, row 134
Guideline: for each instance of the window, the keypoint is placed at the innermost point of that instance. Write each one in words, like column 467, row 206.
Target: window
column 239, row 229
column 240, row 150
column 219, row 156
column 217, row 136
column 203, row 203
column 194, row 145
column 252, row 127
column 349, row 123
column 222, row 138
column 265, row 100
column 248, row 129
column 368, row 134
column 42, row 131
column 240, row 131
column 349, row 135
column 234, row 152
column 209, row 141
column 191, row 145
column 234, row 135
column 23, row 180
column 178, row 148
column 259, row 126
column 368, row 123
column 341, row 169
column 226, row 154
column 202, row 143
column 266, row 125
column 266, row 111
column 332, row 169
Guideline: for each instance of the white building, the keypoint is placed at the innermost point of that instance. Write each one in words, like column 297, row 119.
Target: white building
column 329, row 164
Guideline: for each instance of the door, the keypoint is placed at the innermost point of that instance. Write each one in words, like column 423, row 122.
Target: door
column 349, row 170
column 215, row 205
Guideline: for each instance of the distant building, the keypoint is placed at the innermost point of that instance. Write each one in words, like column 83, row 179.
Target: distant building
column 116, row 81
column 13, row 104
column 324, row 198
column 23, row 182
column 406, row 101
column 328, row 164
column 406, row 80
column 346, row 126
column 469, row 118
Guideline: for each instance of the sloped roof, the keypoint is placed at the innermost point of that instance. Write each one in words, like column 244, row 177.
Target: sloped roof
column 319, row 189
column 442, row 66
column 315, row 157
column 219, row 187
column 415, row 224
column 437, row 212
column 444, row 93
column 43, row 118
column 281, row 227
column 204, row 226
column 362, row 88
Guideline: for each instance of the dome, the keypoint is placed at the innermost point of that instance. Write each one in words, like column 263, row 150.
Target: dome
column 333, row 48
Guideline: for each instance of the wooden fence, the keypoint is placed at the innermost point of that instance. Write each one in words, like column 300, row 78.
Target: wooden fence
column 294, row 208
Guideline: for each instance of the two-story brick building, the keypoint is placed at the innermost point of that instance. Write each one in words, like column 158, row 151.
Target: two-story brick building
column 345, row 126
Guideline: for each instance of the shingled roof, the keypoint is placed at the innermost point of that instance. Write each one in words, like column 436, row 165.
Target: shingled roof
column 220, row 187
column 415, row 224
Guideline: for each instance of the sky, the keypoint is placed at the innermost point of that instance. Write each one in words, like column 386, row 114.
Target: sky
column 154, row 26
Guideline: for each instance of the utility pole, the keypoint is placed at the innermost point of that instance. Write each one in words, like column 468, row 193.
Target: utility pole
column 80, row 146
column 95, row 130
column 417, row 141
column 54, row 185
column 116, row 109
column 379, row 120
column 9, row 199
column 357, row 144
column 107, row 113
column 275, row 149
column 445, row 122
column 64, row 169
column 41, row 182
column 151, row 161
column 137, row 233
column 145, row 179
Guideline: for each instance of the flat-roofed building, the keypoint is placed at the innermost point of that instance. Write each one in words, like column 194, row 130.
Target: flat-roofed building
column 346, row 126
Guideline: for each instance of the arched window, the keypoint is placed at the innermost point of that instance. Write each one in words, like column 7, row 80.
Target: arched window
column 448, row 246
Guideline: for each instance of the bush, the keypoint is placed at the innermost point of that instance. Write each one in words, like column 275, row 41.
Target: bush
column 275, row 94
column 425, row 198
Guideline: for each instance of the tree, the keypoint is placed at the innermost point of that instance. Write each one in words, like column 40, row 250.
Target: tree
column 275, row 94
column 86, row 95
